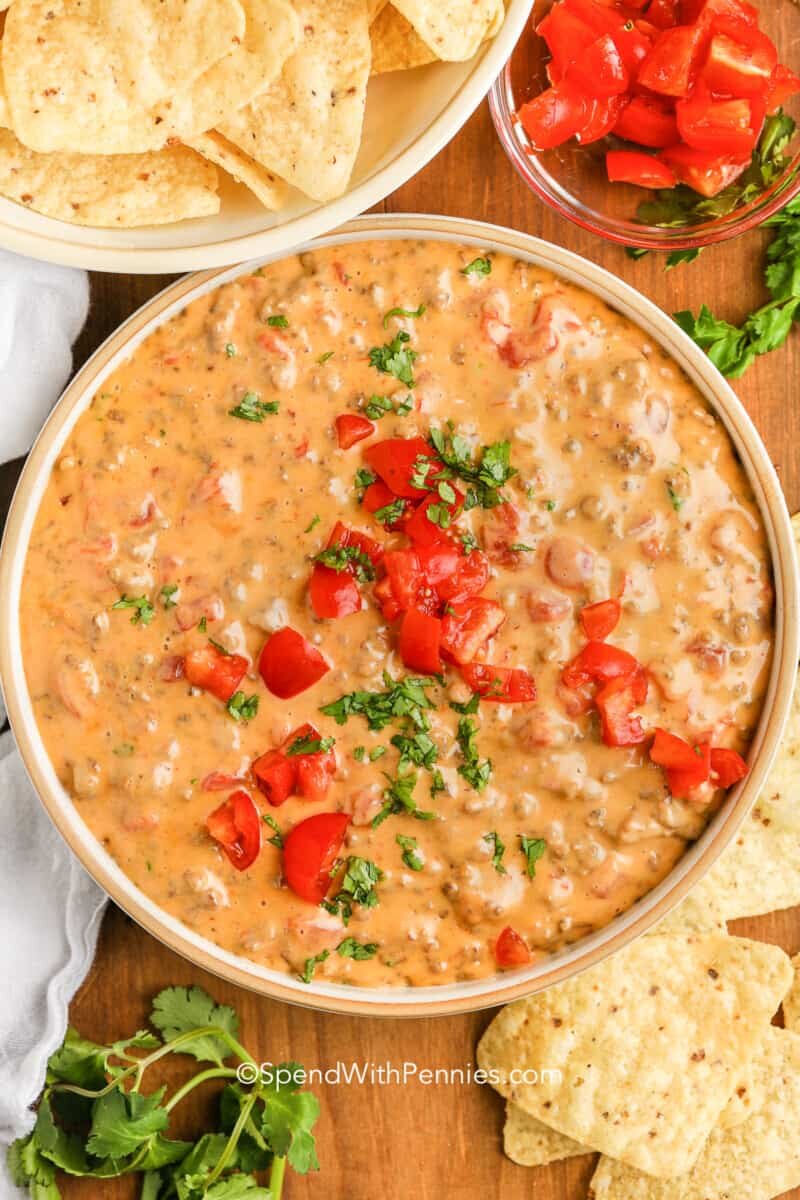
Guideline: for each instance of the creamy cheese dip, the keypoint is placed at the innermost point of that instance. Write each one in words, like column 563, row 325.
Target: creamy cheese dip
column 183, row 496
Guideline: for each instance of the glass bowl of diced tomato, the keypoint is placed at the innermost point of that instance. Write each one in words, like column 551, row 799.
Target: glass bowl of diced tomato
column 663, row 124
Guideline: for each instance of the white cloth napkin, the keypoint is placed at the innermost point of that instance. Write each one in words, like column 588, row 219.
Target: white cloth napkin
column 49, row 907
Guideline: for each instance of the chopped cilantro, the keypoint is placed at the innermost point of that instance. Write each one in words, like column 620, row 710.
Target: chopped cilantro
column 390, row 514
column 376, row 752
column 399, row 798
column 202, row 624
column 166, row 594
column 469, row 708
column 379, row 406
column 395, row 358
column 323, row 358
column 124, row 750
column 219, row 647
column 311, row 965
column 478, row 266
column 521, row 548
column 468, row 541
column 277, row 840
column 279, row 321
column 437, row 784
column 241, row 707
column 550, row 505
column 363, row 478
column 359, row 753
column 350, row 948
column 143, row 611
column 533, row 849
column 476, row 773
column 419, row 750
column 403, row 312
column 315, row 520
column 493, row 838
column 675, row 500
column 357, row 886
column 230, row 350
column 409, row 847
column 252, row 408
column 405, row 699
column 309, row 745
column 485, row 474
column 339, row 558
column 439, row 515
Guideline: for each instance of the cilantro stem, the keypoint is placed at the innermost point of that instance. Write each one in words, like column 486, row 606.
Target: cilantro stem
column 276, row 1174
column 195, row 1081
column 233, row 1140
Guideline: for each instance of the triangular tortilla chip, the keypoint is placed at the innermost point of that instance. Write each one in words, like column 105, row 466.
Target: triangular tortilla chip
column 395, row 44
column 454, row 29
column 270, row 190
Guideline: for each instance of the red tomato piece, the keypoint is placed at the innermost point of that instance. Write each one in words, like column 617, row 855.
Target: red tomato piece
column 605, row 115
column 601, row 619
column 309, row 853
column 469, row 577
column 600, row 17
column 686, row 766
column 638, row 168
column 511, row 950
column 671, row 65
column 314, row 771
column 634, row 45
column 736, row 69
column 669, row 750
column 719, row 126
column 707, row 173
column 566, row 35
column 467, row 627
column 682, row 781
column 352, row 428
column 663, row 13
column 555, row 116
column 598, row 662
column 728, row 767
column 208, row 668
column 333, row 593
column 648, row 122
column 614, row 701
column 783, row 86
column 420, row 638
column 707, row 12
column 404, row 573
column 341, row 535
column 378, row 496
column 275, row 775
column 506, row 685
column 599, row 70
column 394, row 461
column 385, row 598
column 289, row 663
column 421, row 529
column 236, row 826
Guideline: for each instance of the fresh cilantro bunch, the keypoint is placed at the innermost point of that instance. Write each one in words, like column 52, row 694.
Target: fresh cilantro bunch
column 94, row 1120
column 732, row 348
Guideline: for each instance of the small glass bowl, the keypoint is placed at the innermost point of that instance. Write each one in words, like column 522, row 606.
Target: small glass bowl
column 572, row 178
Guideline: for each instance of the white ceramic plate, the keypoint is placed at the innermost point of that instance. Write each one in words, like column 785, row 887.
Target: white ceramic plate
column 410, row 116
column 452, row 997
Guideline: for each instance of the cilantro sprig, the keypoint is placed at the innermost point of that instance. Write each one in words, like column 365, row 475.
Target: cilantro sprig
column 96, row 1121
column 485, row 473
column 533, row 849
column 252, row 408
column 339, row 558
column 357, row 886
column 143, row 611
column 395, row 358
column 404, row 699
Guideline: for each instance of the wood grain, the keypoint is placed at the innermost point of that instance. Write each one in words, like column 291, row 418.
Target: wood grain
column 415, row 1140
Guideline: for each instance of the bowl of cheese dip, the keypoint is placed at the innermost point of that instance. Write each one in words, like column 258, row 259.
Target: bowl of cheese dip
column 402, row 624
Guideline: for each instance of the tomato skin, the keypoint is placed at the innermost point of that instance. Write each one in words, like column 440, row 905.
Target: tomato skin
column 647, row 123
column 236, row 826
column 671, row 751
column 604, row 116
column 332, row 593
column 707, row 12
column 639, row 169
column 728, row 766
column 468, row 626
column 505, row 685
column 735, row 68
column 681, row 782
column 510, row 949
column 783, row 85
column 289, row 663
column 215, row 672
column 393, row 460
column 685, row 766
column 384, row 596
column 352, row 428
column 599, row 620
column 669, row 68
column 421, row 530
column 420, row 638
column 719, row 126
column 405, row 576
column 555, row 116
column 663, row 13
column 707, row 173
column 275, row 776
column 309, row 852
column 598, row 662
column 600, row 71
column 614, row 701
column 566, row 35
column 469, row 577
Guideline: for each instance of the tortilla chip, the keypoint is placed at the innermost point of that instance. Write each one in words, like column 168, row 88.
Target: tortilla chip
column 757, row 1160
column 453, row 29
column 5, row 116
column 530, row 1143
column 109, row 192
column 646, row 1048
column 395, row 45
column 82, row 78
column 791, row 1001
column 375, row 8
column 271, row 191
column 307, row 127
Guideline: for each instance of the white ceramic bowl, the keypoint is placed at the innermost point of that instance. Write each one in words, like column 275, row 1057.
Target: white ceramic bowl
column 410, row 116
column 452, row 997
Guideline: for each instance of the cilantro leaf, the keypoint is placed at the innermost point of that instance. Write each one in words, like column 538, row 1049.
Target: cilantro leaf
column 476, row 773
column 287, row 1121
column 410, row 856
column 310, row 745
column 277, row 838
column 395, row 358
column 252, row 408
column 419, row 749
column 143, row 611
column 399, row 798
column 340, row 558
column 478, row 266
column 279, row 321
column 403, row 312
column 180, row 1010
column 533, row 849
column 403, row 700
column 357, row 886
column 241, row 707
column 122, row 1121
column 359, row 951
column 487, row 473
column 493, row 838
column 30, row 1169
column 390, row 513
column 311, row 964
column 469, row 707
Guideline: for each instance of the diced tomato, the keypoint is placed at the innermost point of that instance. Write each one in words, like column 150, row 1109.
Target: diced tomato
column 783, row 86
column 633, row 45
column 604, row 116
column 708, row 12
column 314, row 771
column 648, row 122
column 707, row 173
column 333, row 593
column 733, row 68
column 638, row 168
column 566, row 35
column 682, row 781
column 467, row 627
column 598, row 662
column 719, row 126
column 469, row 577
column 421, row 529
column 275, row 776
column 600, row 619
column 289, row 663
column 394, row 460
column 342, row 535
column 404, row 573
column 352, row 428
column 728, row 767
column 511, row 950
column 385, row 598
column 686, row 766
column 670, row 67
column 309, row 853
column 506, row 685
column 236, row 825
column 599, row 70
column 600, row 17
column 420, row 638
column 663, row 13
column 378, row 496
column 215, row 672
column 671, row 751
column 614, row 701
column 556, row 115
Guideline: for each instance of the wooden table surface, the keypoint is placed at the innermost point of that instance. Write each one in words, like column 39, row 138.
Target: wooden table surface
column 411, row 1140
